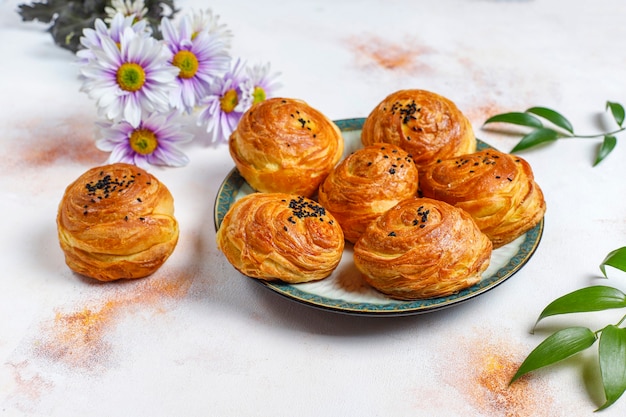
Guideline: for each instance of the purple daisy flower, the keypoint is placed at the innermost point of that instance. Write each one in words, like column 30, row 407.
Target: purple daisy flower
column 199, row 59
column 131, row 78
column 91, row 38
column 206, row 21
column 153, row 142
column 227, row 100
column 261, row 82
column 135, row 9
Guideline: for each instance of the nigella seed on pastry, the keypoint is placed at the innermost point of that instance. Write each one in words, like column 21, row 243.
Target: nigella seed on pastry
column 427, row 125
column 252, row 237
column 96, row 229
column 503, row 210
column 364, row 185
column 285, row 145
column 411, row 263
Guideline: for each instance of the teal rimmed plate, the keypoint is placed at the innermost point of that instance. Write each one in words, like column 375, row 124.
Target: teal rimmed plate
column 346, row 292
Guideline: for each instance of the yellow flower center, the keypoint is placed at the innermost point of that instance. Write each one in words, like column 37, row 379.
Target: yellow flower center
column 187, row 62
column 258, row 95
column 130, row 77
column 143, row 141
column 229, row 101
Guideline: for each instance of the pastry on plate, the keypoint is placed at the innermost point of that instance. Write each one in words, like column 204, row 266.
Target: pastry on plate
column 497, row 189
column 116, row 221
column 284, row 145
column 422, row 248
column 367, row 183
column 278, row 236
column 425, row 124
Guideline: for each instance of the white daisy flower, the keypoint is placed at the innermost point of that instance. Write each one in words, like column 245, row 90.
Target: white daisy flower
column 206, row 21
column 228, row 99
column 154, row 141
column 200, row 60
column 261, row 82
column 135, row 9
column 91, row 38
column 131, row 78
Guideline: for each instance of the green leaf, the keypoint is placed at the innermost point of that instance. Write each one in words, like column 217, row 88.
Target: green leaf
column 557, row 118
column 594, row 298
column 534, row 138
column 555, row 348
column 516, row 118
column 612, row 353
column 616, row 259
column 617, row 110
column 607, row 147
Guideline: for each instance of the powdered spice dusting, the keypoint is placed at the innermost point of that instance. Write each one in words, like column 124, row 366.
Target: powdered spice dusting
column 371, row 50
column 485, row 367
column 42, row 143
column 29, row 386
column 83, row 338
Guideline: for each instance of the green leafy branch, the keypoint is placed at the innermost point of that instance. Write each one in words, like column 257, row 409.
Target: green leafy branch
column 68, row 18
column 560, row 128
column 571, row 340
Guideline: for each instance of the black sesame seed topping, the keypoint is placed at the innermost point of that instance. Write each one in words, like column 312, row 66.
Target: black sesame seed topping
column 303, row 209
column 406, row 111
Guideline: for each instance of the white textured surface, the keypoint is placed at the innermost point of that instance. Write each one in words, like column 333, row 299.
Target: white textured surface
column 197, row 339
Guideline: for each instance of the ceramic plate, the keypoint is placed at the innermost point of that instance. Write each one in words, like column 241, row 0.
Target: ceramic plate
column 346, row 292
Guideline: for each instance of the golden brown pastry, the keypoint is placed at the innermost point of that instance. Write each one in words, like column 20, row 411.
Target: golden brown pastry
column 367, row 183
column 422, row 248
column 425, row 124
column 497, row 189
column 278, row 236
column 284, row 145
column 116, row 221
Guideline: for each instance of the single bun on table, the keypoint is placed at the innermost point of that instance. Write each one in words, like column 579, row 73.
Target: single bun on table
column 422, row 248
column 285, row 145
column 497, row 189
column 427, row 125
column 116, row 221
column 367, row 183
column 278, row 236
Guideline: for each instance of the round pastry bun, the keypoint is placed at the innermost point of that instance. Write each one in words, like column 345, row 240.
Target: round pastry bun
column 116, row 221
column 367, row 183
column 497, row 189
column 278, row 236
column 284, row 145
column 422, row 248
column 427, row 125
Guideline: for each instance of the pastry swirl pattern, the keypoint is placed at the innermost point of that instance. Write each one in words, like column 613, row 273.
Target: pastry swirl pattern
column 285, row 145
column 422, row 248
column 425, row 124
column 497, row 189
column 279, row 236
column 367, row 183
column 116, row 221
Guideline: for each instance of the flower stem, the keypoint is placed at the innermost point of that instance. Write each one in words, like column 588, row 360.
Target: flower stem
column 597, row 135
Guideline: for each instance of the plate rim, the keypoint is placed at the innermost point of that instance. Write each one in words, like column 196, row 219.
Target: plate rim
column 233, row 182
